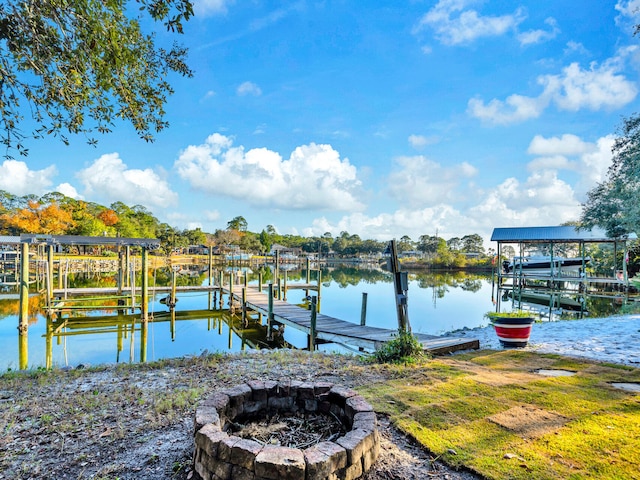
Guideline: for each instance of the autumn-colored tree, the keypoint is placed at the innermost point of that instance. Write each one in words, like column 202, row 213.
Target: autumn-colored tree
column 108, row 217
column 36, row 218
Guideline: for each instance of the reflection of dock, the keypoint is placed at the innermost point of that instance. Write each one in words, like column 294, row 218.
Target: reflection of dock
column 330, row 329
column 251, row 333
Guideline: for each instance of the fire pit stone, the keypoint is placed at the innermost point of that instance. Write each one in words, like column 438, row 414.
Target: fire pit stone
column 220, row 455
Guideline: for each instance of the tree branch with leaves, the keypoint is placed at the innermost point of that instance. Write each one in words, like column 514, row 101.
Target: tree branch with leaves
column 77, row 66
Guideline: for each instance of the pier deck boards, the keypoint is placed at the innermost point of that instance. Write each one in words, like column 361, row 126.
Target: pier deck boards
column 335, row 330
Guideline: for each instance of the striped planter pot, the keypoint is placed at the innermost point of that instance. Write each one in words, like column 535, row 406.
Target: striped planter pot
column 513, row 331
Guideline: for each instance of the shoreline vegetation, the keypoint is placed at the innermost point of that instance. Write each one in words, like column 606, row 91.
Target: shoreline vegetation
column 481, row 414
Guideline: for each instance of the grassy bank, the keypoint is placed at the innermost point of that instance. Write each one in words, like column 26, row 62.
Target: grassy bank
column 492, row 413
column 486, row 411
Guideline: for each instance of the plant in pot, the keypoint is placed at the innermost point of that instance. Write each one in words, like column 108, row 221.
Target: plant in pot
column 513, row 328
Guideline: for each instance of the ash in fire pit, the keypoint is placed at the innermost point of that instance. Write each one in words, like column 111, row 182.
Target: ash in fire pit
column 300, row 430
column 281, row 431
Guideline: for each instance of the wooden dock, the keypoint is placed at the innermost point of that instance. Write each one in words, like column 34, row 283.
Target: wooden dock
column 334, row 330
column 328, row 329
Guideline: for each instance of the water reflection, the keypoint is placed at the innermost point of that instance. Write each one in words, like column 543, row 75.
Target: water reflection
column 105, row 330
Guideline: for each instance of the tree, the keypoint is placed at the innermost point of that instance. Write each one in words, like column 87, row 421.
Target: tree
column 78, row 65
column 108, row 217
column 37, row 218
column 614, row 204
column 238, row 223
column 405, row 244
column 472, row 243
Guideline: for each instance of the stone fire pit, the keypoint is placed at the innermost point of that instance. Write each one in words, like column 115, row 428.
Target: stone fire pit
column 223, row 456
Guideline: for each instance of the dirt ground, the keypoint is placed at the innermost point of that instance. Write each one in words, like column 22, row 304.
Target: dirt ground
column 136, row 422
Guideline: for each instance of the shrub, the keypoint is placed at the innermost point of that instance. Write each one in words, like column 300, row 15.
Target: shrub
column 404, row 348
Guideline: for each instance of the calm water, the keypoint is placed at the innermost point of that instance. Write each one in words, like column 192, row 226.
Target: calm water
column 438, row 303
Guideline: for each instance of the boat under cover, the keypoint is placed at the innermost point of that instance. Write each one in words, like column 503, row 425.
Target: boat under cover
column 544, row 264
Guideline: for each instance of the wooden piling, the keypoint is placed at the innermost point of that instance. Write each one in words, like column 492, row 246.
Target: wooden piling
column 23, row 320
column 270, row 311
column 312, row 326
column 363, row 311
column 49, row 276
column 145, row 284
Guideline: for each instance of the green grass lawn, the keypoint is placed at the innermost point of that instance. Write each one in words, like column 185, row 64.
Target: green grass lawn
column 492, row 413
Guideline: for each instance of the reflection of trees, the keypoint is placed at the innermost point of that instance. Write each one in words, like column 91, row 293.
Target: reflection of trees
column 465, row 281
column 12, row 307
column 349, row 275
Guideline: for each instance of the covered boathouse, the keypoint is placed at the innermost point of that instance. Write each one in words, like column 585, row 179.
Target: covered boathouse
column 557, row 242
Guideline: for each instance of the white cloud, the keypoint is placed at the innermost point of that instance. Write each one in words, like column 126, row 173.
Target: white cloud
column 569, row 152
column 538, row 36
column 556, row 162
column 454, row 24
column 69, row 190
column 419, row 181
column 575, row 47
column 566, row 145
column 448, row 221
column 421, row 141
column 18, row 179
column 515, row 109
column 108, row 179
column 629, row 10
column 248, row 88
column 205, row 8
column 595, row 88
column 314, row 176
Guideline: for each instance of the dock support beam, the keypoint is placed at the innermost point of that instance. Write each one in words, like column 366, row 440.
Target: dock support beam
column 363, row 312
column 270, row 312
column 314, row 319
column 23, row 320
column 145, row 285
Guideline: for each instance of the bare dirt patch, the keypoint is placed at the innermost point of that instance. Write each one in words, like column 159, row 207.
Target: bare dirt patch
column 529, row 422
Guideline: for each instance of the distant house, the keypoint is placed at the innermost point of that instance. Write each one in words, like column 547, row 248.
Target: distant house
column 285, row 252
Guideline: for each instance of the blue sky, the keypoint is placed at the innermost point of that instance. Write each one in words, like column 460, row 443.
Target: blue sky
column 379, row 118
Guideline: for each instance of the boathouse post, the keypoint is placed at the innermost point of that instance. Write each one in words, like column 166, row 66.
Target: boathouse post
column 284, row 290
column 318, row 288
column 279, row 288
column 144, row 333
column 270, row 311
column 260, row 282
column 221, row 284
column 210, row 265
column 231, row 279
column 127, row 264
column 312, row 326
column 244, row 305
column 49, row 274
column 363, row 312
column 145, row 284
column 174, row 287
column 23, row 320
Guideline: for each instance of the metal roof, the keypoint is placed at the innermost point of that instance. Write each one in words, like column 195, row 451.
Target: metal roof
column 551, row 234
column 9, row 240
column 83, row 240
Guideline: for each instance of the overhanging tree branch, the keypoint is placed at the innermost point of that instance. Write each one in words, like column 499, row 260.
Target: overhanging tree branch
column 80, row 64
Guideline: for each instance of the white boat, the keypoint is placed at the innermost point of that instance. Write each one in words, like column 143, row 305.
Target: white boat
column 545, row 265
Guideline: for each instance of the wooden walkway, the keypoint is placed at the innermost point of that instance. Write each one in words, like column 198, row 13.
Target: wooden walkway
column 330, row 329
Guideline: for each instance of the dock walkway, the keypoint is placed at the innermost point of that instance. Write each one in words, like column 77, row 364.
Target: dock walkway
column 330, row 329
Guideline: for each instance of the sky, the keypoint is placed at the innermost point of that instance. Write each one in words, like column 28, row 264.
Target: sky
column 376, row 118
